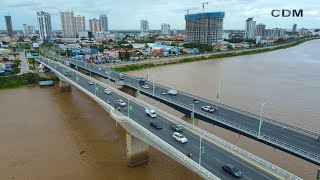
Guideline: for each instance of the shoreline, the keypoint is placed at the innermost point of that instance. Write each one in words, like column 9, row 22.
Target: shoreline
column 141, row 66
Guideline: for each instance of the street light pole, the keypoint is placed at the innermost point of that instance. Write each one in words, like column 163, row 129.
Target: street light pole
column 192, row 113
column 128, row 107
column 260, row 124
column 153, row 83
column 200, row 150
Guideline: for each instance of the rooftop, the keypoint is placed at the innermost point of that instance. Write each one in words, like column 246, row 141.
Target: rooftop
column 204, row 15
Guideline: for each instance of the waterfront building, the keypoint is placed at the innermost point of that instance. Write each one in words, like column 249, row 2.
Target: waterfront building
column 44, row 24
column 250, row 28
column 204, row 28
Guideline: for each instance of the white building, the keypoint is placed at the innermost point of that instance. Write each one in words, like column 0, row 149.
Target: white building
column 80, row 24
column 165, row 29
column 44, row 24
column 67, row 24
column 84, row 34
column 28, row 30
column 95, row 25
column 144, row 27
column 104, row 23
column 250, row 29
column 260, row 30
column 175, row 32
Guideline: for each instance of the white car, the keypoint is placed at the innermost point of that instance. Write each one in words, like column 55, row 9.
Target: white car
column 90, row 82
column 208, row 108
column 179, row 137
column 145, row 86
column 163, row 93
column 121, row 103
column 107, row 72
column 107, row 91
column 99, row 68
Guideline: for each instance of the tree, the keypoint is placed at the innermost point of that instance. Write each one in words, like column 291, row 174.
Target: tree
column 110, row 40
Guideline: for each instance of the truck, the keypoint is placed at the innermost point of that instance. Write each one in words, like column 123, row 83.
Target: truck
column 173, row 92
column 151, row 112
column 142, row 81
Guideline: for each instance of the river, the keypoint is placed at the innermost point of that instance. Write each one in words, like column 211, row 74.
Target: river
column 45, row 134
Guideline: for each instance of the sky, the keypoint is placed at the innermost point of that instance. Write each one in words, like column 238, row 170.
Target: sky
column 126, row 14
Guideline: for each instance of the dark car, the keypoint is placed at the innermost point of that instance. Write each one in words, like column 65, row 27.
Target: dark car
column 155, row 124
column 232, row 170
column 176, row 127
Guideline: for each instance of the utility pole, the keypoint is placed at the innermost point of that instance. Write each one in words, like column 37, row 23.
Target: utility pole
column 260, row 124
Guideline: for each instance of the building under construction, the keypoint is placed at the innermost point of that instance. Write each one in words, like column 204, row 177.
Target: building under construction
column 204, row 28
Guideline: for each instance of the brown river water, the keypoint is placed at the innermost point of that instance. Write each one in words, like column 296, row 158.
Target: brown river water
column 45, row 134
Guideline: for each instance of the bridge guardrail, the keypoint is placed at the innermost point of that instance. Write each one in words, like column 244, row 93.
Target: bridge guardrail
column 207, row 135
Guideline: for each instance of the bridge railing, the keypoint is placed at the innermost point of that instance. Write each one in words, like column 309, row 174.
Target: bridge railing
column 208, row 136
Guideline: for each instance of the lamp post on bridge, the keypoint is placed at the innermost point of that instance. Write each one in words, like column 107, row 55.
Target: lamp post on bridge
column 192, row 114
column 260, row 124
column 201, row 150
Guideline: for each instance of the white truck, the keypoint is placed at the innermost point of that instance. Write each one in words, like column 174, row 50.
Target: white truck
column 151, row 112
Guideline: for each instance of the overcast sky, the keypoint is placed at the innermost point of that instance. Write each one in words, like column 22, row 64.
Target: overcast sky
column 126, row 14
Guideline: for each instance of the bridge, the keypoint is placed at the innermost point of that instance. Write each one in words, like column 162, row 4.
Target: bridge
column 140, row 135
column 294, row 140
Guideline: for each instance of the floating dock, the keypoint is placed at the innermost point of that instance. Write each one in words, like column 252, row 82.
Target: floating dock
column 45, row 83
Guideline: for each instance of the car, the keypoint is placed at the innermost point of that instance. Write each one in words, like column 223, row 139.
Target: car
column 90, row 82
column 155, row 124
column 145, row 86
column 163, row 93
column 176, row 127
column 99, row 68
column 107, row 72
column 121, row 103
column 151, row 112
column 208, row 109
column 196, row 101
column 179, row 137
column 231, row 169
column 121, row 78
column 107, row 91
column 172, row 92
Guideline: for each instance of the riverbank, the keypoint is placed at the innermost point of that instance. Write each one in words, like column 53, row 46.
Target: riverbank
column 134, row 67
column 17, row 81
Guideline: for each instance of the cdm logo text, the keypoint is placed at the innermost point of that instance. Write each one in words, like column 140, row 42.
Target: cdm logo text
column 287, row 13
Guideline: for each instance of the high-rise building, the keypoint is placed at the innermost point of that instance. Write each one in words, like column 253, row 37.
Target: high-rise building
column 28, row 30
column 165, row 29
column 9, row 25
column 95, row 25
column 294, row 28
column 275, row 33
column 204, row 28
column 104, row 22
column 67, row 24
column 175, row 32
column 260, row 30
column 144, row 27
column 79, row 24
column 44, row 25
column 302, row 32
column 250, row 29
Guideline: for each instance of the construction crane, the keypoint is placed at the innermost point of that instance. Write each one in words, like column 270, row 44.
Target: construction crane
column 187, row 19
column 203, row 14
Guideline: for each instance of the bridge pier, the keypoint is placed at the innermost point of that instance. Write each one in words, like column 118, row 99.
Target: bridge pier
column 137, row 151
column 64, row 86
column 129, row 91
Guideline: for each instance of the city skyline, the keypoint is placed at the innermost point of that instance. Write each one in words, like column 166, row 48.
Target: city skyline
column 237, row 11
